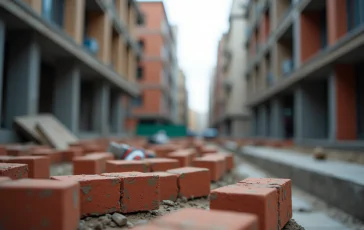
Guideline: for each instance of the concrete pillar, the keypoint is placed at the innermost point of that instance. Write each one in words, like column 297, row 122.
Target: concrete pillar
column 117, row 116
column 296, row 39
column 101, row 108
column 262, row 121
column 67, row 96
column 2, row 59
column 276, row 119
column 331, row 90
column 298, row 114
column 23, row 77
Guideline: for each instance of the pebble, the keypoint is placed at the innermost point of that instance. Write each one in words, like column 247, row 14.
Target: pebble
column 108, row 216
column 88, row 218
column 112, row 224
column 104, row 220
column 168, row 202
column 119, row 219
column 184, row 199
column 129, row 224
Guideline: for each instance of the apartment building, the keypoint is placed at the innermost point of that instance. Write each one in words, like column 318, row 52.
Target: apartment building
column 217, row 91
column 74, row 59
column 182, row 99
column 304, row 71
column 235, row 119
column 156, row 74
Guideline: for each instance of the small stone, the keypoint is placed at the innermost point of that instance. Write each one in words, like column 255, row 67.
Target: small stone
column 184, row 199
column 141, row 222
column 98, row 226
column 104, row 220
column 168, row 202
column 155, row 213
column 129, row 224
column 168, row 210
column 88, row 218
column 119, row 219
column 112, row 224
column 108, row 216
column 81, row 224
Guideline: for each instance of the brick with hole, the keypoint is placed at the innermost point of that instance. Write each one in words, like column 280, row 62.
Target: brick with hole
column 98, row 194
column 193, row 182
column 168, row 185
column 192, row 218
column 90, row 164
column 39, row 204
column 184, row 157
column 215, row 164
column 126, row 166
column 284, row 192
column 54, row 155
column 38, row 167
column 14, row 171
column 162, row 164
column 261, row 201
column 138, row 191
column 4, row 179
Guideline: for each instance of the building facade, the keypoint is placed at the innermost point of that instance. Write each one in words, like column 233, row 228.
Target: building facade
column 304, row 71
column 182, row 99
column 235, row 119
column 155, row 71
column 58, row 57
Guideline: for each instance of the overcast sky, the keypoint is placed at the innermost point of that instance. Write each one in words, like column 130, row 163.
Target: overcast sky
column 200, row 26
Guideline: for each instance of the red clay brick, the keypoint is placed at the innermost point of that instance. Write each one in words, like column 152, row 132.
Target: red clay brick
column 4, row 179
column 16, row 150
column 164, row 150
column 284, row 193
column 39, row 167
column 215, row 164
column 14, row 171
column 126, row 166
column 89, row 164
column 191, row 218
column 70, row 153
column 184, row 157
column 92, row 148
column 229, row 160
column 168, row 185
column 54, row 155
column 139, row 191
column 261, row 201
column 39, row 204
column 3, row 150
column 98, row 194
column 162, row 164
column 192, row 182
column 208, row 149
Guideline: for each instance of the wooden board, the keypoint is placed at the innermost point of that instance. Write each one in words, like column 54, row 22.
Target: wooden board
column 45, row 128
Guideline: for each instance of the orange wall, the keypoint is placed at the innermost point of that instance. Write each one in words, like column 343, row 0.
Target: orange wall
column 336, row 19
column 151, row 101
column 310, row 35
column 264, row 28
column 346, row 117
column 154, row 14
column 153, row 44
column 152, row 72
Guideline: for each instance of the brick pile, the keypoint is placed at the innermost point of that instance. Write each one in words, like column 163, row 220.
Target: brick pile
column 102, row 185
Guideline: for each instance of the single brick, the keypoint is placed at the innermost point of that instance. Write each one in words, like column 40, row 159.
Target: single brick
column 168, row 185
column 98, row 194
column 39, row 204
column 16, row 150
column 14, row 171
column 3, row 150
column 215, row 164
column 4, row 179
column 71, row 152
column 191, row 218
column 192, row 182
column 92, row 148
column 184, row 157
column 38, row 167
column 261, row 201
column 138, row 191
column 284, row 193
column 229, row 159
column 208, row 149
column 164, row 150
column 162, row 164
column 89, row 164
column 126, row 166
column 54, row 155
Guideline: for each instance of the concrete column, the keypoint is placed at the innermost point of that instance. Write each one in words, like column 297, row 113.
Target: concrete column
column 276, row 119
column 262, row 121
column 117, row 116
column 296, row 39
column 298, row 114
column 101, row 108
column 2, row 59
column 331, row 90
column 254, row 123
column 23, row 77
column 67, row 96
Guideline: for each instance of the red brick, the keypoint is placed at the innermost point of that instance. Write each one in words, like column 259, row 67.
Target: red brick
column 284, row 192
column 162, row 164
column 39, row 167
column 184, row 157
column 168, row 185
column 126, row 166
column 89, row 164
column 208, row 149
column 14, row 171
column 164, row 150
column 98, row 194
column 4, row 179
column 92, row 148
column 215, row 164
column 139, row 191
column 261, row 201
column 39, row 204
column 229, row 159
column 70, row 153
column 16, row 150
column 54, row 155
column 3, row 150
column 192, row 182
column 191, row 218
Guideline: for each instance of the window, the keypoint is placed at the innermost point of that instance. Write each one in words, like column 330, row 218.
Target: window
column 141, row 44
column 53, row 11
column 138, row 101
column 140, row 73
